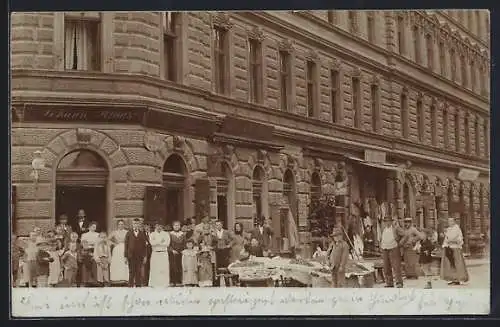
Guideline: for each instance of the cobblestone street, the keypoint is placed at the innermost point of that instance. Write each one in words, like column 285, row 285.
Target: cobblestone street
column 479, row 277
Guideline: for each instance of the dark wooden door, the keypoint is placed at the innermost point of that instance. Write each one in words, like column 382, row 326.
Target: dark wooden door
column 155, row 205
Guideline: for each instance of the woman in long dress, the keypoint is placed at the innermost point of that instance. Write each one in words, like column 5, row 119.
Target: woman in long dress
column 159, row 273
column 453, row 267
column 118, row 267
column 237, row 242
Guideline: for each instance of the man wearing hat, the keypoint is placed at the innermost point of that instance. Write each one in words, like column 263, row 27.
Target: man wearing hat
column 135, row 253
column 389, row 244
column 408, row 241
column 338, row 254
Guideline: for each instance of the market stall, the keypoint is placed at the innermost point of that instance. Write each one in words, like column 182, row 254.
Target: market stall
column 278, row 271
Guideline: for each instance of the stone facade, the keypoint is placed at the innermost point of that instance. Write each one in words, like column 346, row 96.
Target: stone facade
column 132, row 72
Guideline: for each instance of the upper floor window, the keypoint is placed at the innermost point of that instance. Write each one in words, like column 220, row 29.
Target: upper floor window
column 477, row 137
column 416, row 44
column 401, row 35
column 255, row 74
column 463, row 68
column 370, row 24
column 169, row 24
column 353, row 23
column 420, row 120
column 433, row 124
column 429, row 45
column 311, row 88
column 82, row 43
column 457, row 132
column 442, row 58
column 221, row 60
column 404, row 115
column 356, row 102
column 285, row 79
column 467, row 134
column 446, row 130
column 375, row 103
column 453, row 64
column 334, row 94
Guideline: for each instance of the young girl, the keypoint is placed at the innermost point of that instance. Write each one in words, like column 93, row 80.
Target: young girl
column 69, row 261
column 43, row 260
column 205, row 272
column 56, row 252
column 425, row 259
column 189, row 265
column 102, row 257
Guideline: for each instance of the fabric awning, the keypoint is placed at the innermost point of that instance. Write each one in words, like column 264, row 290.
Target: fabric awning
column 386, row 166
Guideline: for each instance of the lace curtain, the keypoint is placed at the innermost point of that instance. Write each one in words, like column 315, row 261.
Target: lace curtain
column 78, row 46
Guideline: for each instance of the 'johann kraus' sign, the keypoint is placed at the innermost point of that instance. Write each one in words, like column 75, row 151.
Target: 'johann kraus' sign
column 88, row 114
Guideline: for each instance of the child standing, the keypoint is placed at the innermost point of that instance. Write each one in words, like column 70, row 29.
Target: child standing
column 56, row 251
column 43, row 260
column 189, row 265
column 102, row 257
column 425, row 259
column 205, row 272
column 69, row 260
column 87, row 262
column 30, row 264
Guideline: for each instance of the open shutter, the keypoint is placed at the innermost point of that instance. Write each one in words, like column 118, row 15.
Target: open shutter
column 202, row 198
column 155, row 204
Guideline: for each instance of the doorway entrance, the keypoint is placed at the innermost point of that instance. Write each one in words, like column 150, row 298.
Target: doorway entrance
column 81, row 183
column 174, row 180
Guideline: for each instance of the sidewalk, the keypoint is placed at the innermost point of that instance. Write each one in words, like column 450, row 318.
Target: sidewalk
column 475, row 262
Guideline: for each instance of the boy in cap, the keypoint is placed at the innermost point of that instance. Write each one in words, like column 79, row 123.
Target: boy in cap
column 338, row 253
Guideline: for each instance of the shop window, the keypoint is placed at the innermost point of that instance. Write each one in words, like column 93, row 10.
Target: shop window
column 174, row 181
column 82, row 43
column 259, row 191
column 225, row 196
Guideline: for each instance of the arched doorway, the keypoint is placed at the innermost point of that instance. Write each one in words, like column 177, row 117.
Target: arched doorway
column 81, row 183
column 225, row 196
column 259, row 192
column 290, row 194
column 174, row 181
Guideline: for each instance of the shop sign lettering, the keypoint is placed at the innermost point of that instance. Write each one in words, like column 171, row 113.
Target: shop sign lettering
column 117, row 115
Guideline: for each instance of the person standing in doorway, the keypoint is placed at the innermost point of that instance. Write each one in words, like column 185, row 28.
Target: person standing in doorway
column 81, row 224
column 177, row 244
column 338, row 253
column 223, row 245
column 159, row 273
column 64, row 227
column 135, row 251
column 407, row 243
column 389, row 244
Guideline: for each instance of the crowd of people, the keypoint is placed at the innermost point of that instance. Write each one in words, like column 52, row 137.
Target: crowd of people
column 189, row 254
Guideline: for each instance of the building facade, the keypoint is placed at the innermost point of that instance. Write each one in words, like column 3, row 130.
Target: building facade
column 238, row 115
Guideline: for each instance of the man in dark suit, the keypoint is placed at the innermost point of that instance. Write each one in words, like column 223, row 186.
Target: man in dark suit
column 82, row 224
column 263, row 233
column 135, row 253
column 149, row 251
column 223, row 245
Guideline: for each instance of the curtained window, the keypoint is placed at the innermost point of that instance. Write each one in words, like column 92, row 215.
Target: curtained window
column 82, row 44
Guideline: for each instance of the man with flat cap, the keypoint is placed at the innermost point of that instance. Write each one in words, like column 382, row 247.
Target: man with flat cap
column 389, row 244
column 136, row 244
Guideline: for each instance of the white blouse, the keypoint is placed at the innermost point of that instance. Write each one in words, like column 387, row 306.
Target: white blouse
column 453, row 237
column 159, row 241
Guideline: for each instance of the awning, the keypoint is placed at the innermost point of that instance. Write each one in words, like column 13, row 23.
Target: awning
column 386, row 166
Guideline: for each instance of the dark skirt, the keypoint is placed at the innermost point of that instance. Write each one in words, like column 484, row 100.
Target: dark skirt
column 175, row 268
column 457, row 273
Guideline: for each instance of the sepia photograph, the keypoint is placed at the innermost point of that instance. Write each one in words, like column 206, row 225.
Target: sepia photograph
column 293, row 158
